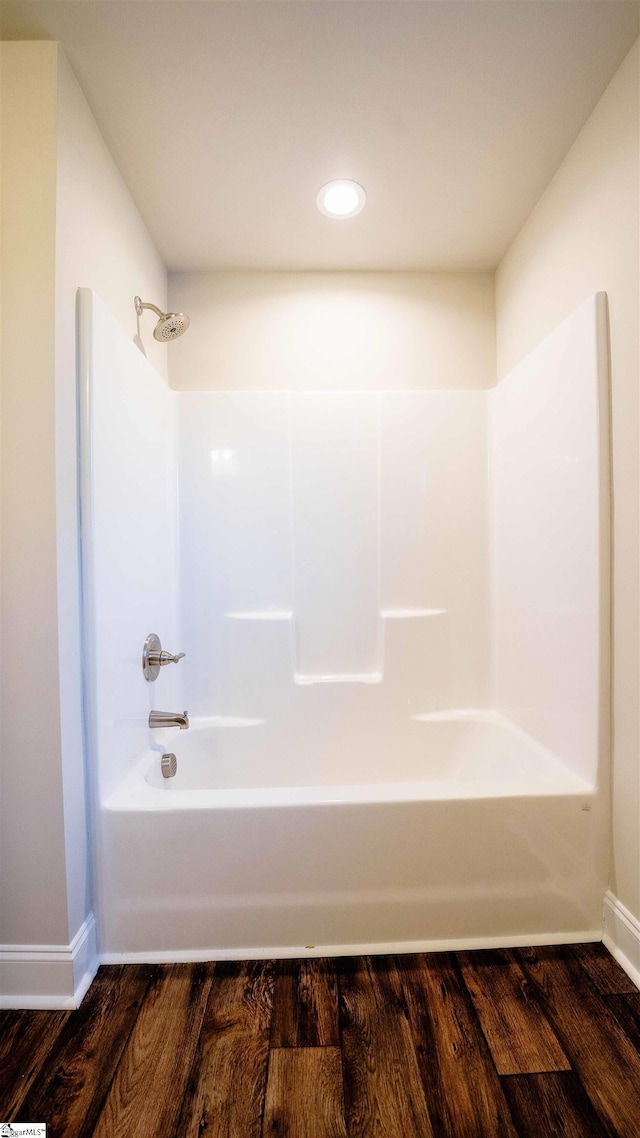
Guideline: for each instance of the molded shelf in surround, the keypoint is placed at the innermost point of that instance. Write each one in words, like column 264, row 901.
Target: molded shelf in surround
column 260, row 614
column 224, row 721
column 410, row 614
column 346, row 678
column 307, row 678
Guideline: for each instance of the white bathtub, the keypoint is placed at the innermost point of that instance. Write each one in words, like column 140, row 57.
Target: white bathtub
column 482, row 838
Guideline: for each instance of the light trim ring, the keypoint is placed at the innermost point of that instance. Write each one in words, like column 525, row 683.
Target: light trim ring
column 341, row 199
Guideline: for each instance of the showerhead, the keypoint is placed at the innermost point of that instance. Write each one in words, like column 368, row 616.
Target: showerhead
column 170, row 324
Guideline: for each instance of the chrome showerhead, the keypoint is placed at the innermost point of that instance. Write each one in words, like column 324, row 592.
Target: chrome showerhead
column 170, row 324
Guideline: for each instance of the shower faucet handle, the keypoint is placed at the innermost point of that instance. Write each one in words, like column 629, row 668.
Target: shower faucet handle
column 154, row 657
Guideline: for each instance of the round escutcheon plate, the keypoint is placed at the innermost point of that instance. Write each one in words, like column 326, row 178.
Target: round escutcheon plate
column 151, row 657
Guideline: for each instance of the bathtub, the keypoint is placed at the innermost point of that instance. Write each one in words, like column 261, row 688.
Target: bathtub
column 483, row 838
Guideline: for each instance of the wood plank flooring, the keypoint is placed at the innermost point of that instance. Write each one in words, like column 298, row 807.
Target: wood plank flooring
column 523, row 1043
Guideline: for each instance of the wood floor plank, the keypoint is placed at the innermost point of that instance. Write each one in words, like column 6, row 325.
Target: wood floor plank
column 87, row 1052
column 605, row 972
column 304, row 1094
column 146, row 1094
column 626, row 1009
column 600, row 1053
column 462, row 1089
column 225, row 1094
column 520, row 1037
column 382, row 1084
column 162, row 1052
column 26, row 1040
column 552, row 1104
column 305, row 1004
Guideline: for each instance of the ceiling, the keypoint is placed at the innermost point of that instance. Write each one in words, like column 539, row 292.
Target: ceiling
column 225, row 118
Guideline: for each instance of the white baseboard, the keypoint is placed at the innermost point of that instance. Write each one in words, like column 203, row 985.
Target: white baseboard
column 49, row 976
column 622, row 936
column 285, row 952
column 52, row 977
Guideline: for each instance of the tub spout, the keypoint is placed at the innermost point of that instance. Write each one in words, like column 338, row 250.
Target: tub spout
column 169, row 719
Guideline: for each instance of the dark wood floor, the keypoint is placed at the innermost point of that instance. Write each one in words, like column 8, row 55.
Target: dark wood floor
column 530, row 1042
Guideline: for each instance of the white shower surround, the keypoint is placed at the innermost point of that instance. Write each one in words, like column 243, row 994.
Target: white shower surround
column 395, row 610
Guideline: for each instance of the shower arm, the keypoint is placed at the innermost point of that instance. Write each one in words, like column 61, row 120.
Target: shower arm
column 142, row 304
column 170, row 324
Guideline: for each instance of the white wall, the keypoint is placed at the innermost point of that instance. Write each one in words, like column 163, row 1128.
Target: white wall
column 550, row 550
column 68, row 221
column 258, row 334
column 317, row 537
column 102, row 244
column 583, row 237
column 128, row 530
column 333, row 331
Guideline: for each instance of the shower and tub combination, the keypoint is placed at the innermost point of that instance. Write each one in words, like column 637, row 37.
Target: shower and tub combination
column 393, row 609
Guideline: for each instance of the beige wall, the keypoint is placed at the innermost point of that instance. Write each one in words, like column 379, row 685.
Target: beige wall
column 33, row 898
column 67, row 221
column 583, row 236
column 334, row 330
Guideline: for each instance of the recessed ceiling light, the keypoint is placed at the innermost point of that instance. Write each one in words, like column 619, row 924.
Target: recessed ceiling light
column 341, row 199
